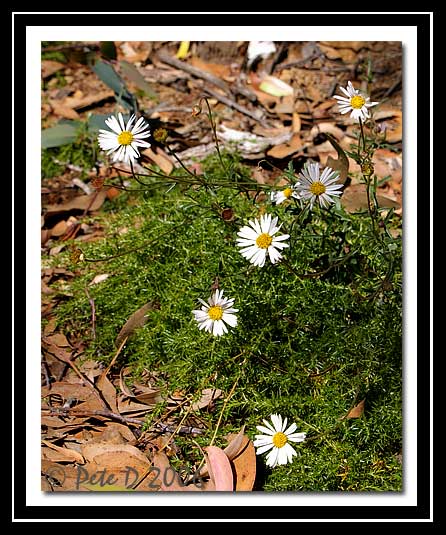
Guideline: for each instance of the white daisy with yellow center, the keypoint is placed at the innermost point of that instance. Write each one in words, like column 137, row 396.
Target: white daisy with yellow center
column 277, row 439
column 355, row 102
column 215, row 313
column 124, row 139
column 286, row 194
column 258, row 238
column 315, row 186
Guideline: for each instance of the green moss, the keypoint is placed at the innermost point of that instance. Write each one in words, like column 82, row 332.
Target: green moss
column 308, row 348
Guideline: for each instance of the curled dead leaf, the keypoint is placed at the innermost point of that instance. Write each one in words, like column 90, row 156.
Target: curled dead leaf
column 244, row 465
column 62, row 454
column 357, row 411
column 136, row 320
column 341, row 164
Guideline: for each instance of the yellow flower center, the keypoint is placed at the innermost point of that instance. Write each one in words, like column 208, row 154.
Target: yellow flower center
column 317, row 188
column 264, row 241
column 215, row 312
column 287, row 192
column 279, row 440
column 357, row 102
column 125, row 138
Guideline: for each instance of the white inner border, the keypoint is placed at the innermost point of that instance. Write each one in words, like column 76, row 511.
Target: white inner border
column 36, row 34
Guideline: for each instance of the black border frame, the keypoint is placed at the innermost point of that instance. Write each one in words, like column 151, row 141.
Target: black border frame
column 422, row 21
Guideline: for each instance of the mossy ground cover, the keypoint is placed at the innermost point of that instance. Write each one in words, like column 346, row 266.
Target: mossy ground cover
column 317, row 333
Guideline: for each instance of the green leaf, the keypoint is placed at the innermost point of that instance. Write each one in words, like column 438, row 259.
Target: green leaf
column 137, row 78
column 109, row 76
column 97, row 121
column 61, row 134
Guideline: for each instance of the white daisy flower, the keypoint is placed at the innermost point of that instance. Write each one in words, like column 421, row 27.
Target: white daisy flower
column 215, row 313
column 279, row 196
column 317, row 186
column 354, row 102
column 277, row 439
column 124, row 138
column 258, row 239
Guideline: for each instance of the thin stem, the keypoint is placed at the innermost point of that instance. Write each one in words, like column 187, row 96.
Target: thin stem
column 362, row 134
column 214, row 131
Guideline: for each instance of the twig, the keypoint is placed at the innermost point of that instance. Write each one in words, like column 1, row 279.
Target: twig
column 257, row 116
column 198, row 73
column 104, row 413
column 93, row 314
column 236, row 88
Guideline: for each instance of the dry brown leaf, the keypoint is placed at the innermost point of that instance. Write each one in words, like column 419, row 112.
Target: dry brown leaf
column 121, row 464
column 91, row 369
column 235, row 444
column 49, row 67
column 149, row 396
column 217, row 69
column 346, row 54
column 208, row 396
column 63, row 111
column 114, row 455
column 108, row 391
column 297, row 123
column 93, row 403
column 77, row 391
column 327, row 128
column 286, row 149
column 354, row 199
column 390, row 120
column 112, row 433
column 160, row 158
column 79, row 101
column 50, row 327
column 136, row 320
column 60, row 477
column 65, row 454
column 58, row 339
column 81, row 203
column 59, row 229
column 127, row 406
column 354, row 45
column 357, row 411
column 52, row 422
column 244, row 465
